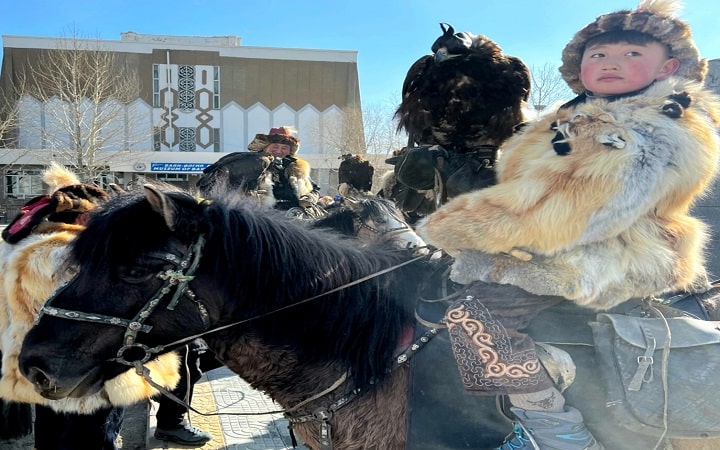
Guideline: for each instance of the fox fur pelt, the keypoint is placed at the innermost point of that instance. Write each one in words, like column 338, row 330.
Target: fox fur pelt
column 29, row 272
column 298, row 175
column 592, row 203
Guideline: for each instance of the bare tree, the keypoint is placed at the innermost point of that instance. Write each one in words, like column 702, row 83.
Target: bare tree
column 381, row 132
column 85, row 92
column 8, row 118
column 371, row 132
column 343, row 134
column 548, row 87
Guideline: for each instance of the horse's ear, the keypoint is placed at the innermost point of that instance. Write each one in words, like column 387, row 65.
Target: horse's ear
column 117, row 189
column 351, row 200
column 161, row 204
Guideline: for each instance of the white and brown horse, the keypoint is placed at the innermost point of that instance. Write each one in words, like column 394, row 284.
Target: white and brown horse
column 30, row 270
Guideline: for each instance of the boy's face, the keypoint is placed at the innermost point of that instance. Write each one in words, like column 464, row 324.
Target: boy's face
column 610, row 69
column 278, row 150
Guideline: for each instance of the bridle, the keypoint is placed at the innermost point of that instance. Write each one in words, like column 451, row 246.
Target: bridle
column 375, row 232
column 177, row 277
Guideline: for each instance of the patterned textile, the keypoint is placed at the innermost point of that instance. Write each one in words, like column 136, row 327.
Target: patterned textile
column 492, row 355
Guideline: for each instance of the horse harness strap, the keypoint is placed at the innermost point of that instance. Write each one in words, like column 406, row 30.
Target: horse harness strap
column 179, row 278
column 324, row 415
column 374, row 230
column 185, row 268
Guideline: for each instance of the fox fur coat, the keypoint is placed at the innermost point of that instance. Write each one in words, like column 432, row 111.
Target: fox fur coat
column 30, row 271
column 592, row 203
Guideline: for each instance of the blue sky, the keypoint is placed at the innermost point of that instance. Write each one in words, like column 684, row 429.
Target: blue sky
column 388, row 35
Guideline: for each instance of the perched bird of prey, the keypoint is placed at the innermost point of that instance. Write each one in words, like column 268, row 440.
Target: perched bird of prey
column 355, row 173
column 465, row 95
column 239, row 170
column 458, row 106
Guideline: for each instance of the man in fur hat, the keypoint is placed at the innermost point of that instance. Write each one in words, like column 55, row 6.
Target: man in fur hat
column 592, row 205
column 292, row 185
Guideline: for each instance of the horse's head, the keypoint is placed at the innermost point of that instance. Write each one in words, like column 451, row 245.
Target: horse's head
column 379, row 218
column 134, row 259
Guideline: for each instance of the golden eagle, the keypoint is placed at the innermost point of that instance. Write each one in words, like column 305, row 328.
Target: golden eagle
column 458, row 106
column 237, row 170
column 355, row 173
column 465, row 95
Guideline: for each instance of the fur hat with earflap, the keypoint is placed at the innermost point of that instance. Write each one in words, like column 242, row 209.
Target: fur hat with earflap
column 279, row 135
column 652, row 17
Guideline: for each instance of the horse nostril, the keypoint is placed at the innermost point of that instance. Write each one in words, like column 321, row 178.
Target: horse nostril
column 39, row 379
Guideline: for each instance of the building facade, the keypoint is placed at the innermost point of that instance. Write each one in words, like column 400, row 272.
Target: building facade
column 200, row 98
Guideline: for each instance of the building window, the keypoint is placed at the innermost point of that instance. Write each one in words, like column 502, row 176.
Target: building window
column 104, row 179
column 23, row 183
column 216, row 87
column 216, row 140
column 186, row 88
column 187, row 139
column 156, row 86
column 172, row 177
column 157, row 139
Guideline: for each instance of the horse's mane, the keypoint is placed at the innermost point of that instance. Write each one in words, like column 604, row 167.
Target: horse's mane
column 340, row 218
column 264, row 261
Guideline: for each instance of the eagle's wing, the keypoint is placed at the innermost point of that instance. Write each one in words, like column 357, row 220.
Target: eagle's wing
column 411, row 113
column 237, row 170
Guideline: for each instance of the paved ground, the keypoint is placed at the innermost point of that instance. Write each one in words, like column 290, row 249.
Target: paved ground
column 219, row 391
column 223, row 392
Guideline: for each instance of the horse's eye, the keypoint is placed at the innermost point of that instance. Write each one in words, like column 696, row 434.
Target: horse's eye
column 134, row 274
column 70, row 271
column 66, row 274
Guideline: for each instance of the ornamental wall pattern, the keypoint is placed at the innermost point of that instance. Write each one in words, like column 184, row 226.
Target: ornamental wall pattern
column 39, row 129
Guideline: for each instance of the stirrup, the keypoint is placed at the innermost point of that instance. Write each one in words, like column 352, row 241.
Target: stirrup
column 519, row 439
column 558, row 363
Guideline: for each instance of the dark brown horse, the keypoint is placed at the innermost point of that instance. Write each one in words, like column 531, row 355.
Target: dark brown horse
column 318, row 322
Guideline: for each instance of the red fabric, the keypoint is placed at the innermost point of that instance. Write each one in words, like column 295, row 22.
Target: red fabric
column 281, row 131
column 28, row 212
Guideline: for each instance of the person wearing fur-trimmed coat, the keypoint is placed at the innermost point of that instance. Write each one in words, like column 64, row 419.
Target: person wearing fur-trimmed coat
column 600, row 215
column 591, row 205
column 292, row 185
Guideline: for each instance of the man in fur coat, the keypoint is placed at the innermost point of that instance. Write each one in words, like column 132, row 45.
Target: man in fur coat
column 292, row 185
column 592, row 205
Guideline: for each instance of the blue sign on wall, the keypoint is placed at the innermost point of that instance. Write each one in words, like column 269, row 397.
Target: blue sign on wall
column 178, row 167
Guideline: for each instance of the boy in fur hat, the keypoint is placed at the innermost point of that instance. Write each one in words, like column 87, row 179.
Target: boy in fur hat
column 292, row 185
column 592, row 205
